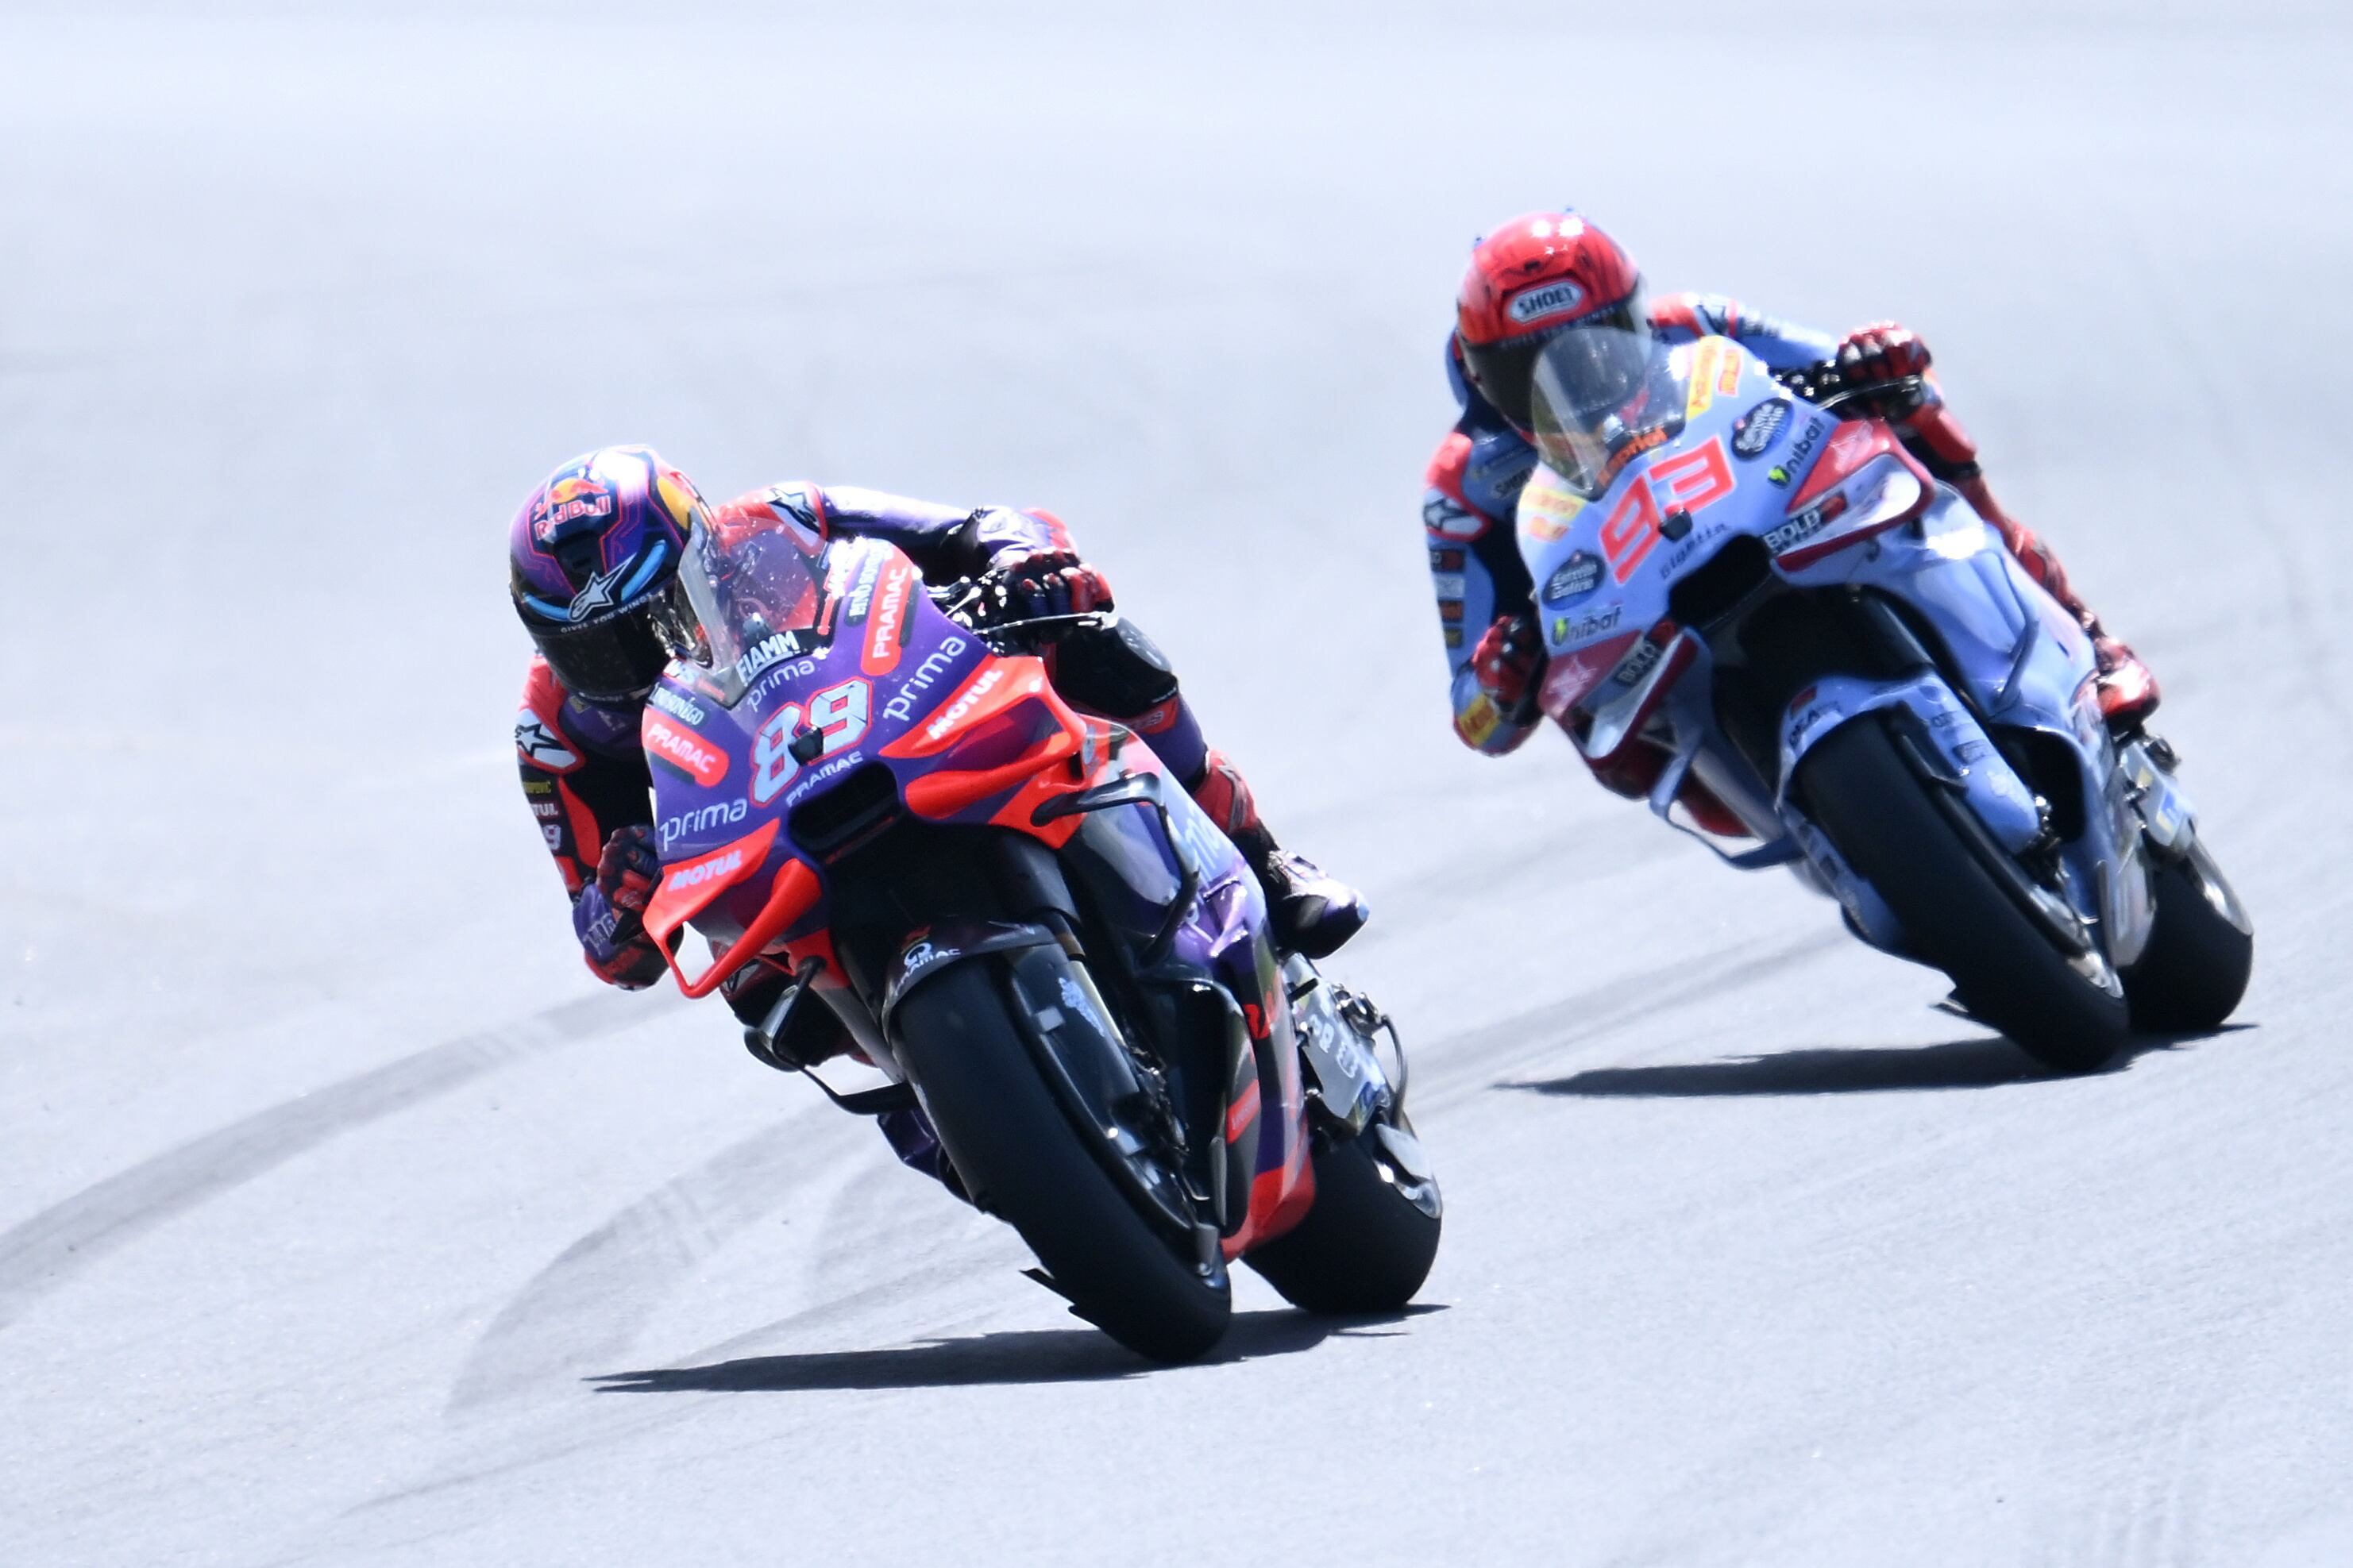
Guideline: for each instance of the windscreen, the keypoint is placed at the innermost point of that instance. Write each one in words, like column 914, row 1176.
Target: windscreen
column 1602, row 391
column 755, row 592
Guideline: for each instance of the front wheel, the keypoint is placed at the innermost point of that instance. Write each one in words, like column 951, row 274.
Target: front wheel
column 2200, row 951
column 1020, row 1156
column 1369, row 1239
column 1957, row 912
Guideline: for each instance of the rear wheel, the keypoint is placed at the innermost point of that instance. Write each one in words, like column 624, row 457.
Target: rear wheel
column 2194, row 970
column 1369, row 1240
column 1024, row 1159
column 1959, row 912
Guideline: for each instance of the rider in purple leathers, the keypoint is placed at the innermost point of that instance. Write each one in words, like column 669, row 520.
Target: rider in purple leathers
column 1542, row 273
column 593, row 555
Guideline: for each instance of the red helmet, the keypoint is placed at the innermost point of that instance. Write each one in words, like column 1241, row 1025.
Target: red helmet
column 1530, row 279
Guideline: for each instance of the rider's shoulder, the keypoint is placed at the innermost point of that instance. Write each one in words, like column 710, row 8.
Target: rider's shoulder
column 558, row 731
column 794, row 502
column 1692, row 314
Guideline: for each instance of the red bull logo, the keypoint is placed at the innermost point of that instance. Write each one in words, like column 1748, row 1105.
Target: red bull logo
column 570, row 496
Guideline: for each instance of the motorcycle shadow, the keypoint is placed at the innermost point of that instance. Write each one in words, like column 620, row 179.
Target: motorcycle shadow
column 1982, row 1061
column 1008, row 1357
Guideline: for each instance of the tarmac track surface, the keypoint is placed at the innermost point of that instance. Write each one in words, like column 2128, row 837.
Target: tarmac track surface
column 343, row 1219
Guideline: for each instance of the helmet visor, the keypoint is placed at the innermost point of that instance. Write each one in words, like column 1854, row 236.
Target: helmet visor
column 618, row 655
column 1594, row 389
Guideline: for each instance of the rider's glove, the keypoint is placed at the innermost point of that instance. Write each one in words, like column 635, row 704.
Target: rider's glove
column 1880, row 356
column 610, row 917
column 1034, row 582
column 628, row 870
column 1504, row 664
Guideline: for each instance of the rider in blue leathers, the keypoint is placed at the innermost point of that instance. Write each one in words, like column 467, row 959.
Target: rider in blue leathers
column 1542, row 271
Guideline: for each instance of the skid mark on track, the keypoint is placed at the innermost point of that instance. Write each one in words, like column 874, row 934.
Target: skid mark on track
column 1464, row 1064
column 43, row 1252
column 592, row 1302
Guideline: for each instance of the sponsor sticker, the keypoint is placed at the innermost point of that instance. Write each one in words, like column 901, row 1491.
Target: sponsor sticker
column 540, row 746
column 1561, row 296
column 879, row 654
column 1575, row 579
column 1583, row 628
column 956, row 713
column 678, row 705
column 1759, row 428
column 1806, row 525
column 771, row 649
column 901, row 706
column 1447, row 518
column 706, row 764
column 1799, row 451
column 696, row 823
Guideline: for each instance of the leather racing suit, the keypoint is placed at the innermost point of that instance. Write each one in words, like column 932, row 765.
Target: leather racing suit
column 1472, row 493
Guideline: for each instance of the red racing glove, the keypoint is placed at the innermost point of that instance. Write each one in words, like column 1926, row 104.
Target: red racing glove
column 1048, row 583
column 1504, row 664
column 1881, row 354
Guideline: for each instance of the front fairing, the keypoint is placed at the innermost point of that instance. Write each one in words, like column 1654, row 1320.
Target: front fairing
column 872, row 667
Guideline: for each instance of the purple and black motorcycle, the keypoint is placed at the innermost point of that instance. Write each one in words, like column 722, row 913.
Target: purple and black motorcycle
column 1035, row 934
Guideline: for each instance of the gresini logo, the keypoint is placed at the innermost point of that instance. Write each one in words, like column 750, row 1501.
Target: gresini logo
column 1552, row 299
column 693, row 823
column 598, row 594
column 901, row 706
column 954, row 714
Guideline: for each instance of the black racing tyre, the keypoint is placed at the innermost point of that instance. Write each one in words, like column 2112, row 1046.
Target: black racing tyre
column 2193, row 972
column 1364, row 1247
column 1955, row 912
column 1021, row 1159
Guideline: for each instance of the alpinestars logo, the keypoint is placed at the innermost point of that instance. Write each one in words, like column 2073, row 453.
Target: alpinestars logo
column 598, row 594
column 539, row 745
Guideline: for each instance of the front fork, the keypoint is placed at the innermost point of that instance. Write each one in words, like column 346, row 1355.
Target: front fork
column 1351, row 1091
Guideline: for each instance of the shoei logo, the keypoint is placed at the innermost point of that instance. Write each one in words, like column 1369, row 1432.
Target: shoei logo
column 956, row 713
column 1540, row 304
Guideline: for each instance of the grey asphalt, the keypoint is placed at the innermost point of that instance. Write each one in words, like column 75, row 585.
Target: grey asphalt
column 344, row 1219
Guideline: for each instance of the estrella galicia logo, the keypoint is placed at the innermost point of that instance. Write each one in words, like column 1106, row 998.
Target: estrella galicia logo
column 1759, row 428
column 1577, row 579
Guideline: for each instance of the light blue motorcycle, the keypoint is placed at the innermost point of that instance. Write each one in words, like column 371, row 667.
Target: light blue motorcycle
column 1836, row 651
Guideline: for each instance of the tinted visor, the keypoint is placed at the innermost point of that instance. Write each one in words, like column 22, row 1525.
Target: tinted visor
column 1504, row 372
column 619, row 655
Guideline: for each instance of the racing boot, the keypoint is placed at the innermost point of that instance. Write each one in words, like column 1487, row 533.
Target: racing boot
column 1311, row 912
column 2128, row 691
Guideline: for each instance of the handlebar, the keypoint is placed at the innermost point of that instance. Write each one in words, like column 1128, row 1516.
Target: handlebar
column 1826, row 388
